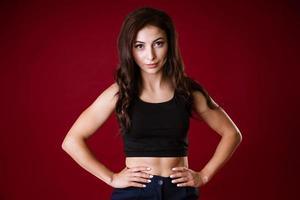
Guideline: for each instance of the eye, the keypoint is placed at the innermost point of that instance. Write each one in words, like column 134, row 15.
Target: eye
column 159, row 43
column 138, row 46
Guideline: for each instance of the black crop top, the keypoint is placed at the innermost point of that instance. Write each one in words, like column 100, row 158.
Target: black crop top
column 158, row 129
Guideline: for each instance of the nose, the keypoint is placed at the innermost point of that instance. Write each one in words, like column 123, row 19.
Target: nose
column 150, row 54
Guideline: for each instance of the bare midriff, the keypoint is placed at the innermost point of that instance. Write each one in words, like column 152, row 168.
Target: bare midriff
column 161, row 166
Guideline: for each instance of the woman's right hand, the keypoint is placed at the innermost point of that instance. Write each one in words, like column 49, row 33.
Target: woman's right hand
column 135, row 177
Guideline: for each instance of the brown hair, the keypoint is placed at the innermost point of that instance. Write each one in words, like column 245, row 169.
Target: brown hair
column 128, row 75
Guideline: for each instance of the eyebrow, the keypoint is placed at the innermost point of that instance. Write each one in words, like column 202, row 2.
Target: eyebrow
column 153, row 40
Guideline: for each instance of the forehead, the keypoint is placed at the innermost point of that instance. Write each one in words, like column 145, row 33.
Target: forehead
column 149, row 33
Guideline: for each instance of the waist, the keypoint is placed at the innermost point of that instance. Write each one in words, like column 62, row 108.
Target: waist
column 160, row 166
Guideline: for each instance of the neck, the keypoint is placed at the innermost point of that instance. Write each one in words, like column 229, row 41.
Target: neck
column 153, row 82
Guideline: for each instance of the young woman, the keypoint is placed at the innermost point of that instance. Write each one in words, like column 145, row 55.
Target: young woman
column 153, row 100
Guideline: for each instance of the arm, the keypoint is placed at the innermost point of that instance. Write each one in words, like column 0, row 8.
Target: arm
column 221, row 123
column 86, row 124
column 231, row 137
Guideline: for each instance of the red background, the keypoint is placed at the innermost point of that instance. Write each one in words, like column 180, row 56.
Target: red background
column 56, row 58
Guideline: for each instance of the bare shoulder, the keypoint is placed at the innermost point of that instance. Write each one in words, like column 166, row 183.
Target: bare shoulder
column 111, row 91
column 217, row 119
column 96, row 114
column 108, row 97
column 104, row 105
column 200, row 101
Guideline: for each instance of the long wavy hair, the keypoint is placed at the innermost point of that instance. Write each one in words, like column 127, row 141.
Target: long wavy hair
column 127, row 75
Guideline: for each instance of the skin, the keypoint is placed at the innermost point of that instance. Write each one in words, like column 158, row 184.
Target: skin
column 139, row 170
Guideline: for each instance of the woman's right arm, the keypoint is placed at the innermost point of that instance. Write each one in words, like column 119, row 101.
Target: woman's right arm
column 86, row 124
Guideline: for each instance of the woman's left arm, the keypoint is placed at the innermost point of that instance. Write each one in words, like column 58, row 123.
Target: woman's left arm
column 231, row 137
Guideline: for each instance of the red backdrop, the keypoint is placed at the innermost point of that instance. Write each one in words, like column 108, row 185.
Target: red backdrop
column 56, row 58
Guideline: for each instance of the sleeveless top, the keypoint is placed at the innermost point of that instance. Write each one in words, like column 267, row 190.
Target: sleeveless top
column 157, row 129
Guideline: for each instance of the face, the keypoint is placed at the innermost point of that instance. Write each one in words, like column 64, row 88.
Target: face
column 150, row 49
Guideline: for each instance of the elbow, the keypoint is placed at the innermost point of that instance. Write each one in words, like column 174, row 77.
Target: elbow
column 71, row 143
column 64, row 145
column 235, row 136
column 239, row 137
column 67, row 143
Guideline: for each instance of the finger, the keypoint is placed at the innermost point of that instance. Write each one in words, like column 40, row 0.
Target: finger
column 180, row 180
column 135, row 184
column 183, row 184
column 142, row 174
column 140, row 180
column 178, row 174
column 179, row 169
column 141, row 168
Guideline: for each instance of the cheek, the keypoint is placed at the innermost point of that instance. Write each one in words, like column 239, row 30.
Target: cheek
column 164, row 52
column 136, row 57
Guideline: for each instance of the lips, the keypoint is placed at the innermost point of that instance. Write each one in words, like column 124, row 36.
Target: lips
column 152, row 65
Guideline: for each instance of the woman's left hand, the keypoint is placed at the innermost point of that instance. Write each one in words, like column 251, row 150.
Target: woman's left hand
column 183, row 176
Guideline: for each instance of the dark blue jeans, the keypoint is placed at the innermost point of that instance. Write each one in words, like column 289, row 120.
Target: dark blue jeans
column 160, row 188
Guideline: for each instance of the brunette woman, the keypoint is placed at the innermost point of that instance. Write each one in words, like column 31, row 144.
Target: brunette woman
column 153, row 100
